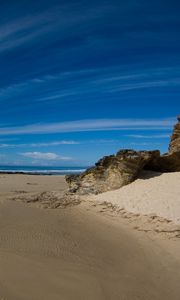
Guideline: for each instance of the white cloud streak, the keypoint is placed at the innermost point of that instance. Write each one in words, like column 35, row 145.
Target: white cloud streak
column 141, row 136
column 45, row 156
column 106, row 80
column 23, row 30
column 26, row 29
column 91, row 125
column 146, row 84
column 48, row 144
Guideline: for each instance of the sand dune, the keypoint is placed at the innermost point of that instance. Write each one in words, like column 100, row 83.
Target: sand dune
column 152, row 194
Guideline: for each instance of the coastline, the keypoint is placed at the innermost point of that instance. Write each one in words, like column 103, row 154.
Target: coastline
column 42, row 170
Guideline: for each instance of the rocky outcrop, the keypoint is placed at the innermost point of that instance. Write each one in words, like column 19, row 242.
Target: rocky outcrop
column 115, row 171
column 169, row 162
column 111, row 172
column 174, row 146
column 165, row 163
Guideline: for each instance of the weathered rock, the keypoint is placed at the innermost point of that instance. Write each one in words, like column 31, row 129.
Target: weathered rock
column 114, row 171
column 175, row 139
column 169, row 162
column 165, row 163
column 111, row 172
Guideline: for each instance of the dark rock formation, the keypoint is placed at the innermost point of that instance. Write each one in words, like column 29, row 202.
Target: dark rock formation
column 165, row 163
column 175, row 139
column 169, row 162
column 111, row 172
column 114, row 171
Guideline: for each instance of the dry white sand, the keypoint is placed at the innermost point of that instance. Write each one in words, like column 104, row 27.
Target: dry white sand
column 77, row 253
column 153, row 194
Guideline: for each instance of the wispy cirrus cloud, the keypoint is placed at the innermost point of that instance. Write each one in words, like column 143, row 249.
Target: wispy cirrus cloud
column 90, row 83
column 58, row 18
column 145, row 144
column 154, row 136
column 20, row 31
column 147, row 84
column 90, row 125
column 33, row 145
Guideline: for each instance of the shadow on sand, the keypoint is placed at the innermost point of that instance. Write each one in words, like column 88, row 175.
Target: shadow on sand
column 144, row 174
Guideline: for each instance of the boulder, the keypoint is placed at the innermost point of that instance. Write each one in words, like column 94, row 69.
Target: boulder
column 111, row 172
column 114, row 171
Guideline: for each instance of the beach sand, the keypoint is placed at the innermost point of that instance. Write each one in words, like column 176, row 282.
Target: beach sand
column 78, row 252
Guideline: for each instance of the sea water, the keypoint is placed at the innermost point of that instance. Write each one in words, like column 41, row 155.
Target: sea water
column 42, row 170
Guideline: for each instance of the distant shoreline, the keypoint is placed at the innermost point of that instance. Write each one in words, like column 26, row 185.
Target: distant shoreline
column 37, row 173
column 42, row 171
column 31, row 173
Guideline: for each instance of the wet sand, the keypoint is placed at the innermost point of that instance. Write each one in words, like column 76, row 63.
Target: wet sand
column 78, row 252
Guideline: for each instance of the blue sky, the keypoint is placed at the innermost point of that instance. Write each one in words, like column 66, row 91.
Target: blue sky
column 82, row 79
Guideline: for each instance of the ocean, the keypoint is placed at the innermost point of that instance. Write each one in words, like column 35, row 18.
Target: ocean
column 35, row 170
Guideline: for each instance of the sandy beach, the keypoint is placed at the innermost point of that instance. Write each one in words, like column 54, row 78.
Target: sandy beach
column 89, row 150
column 78, row 252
